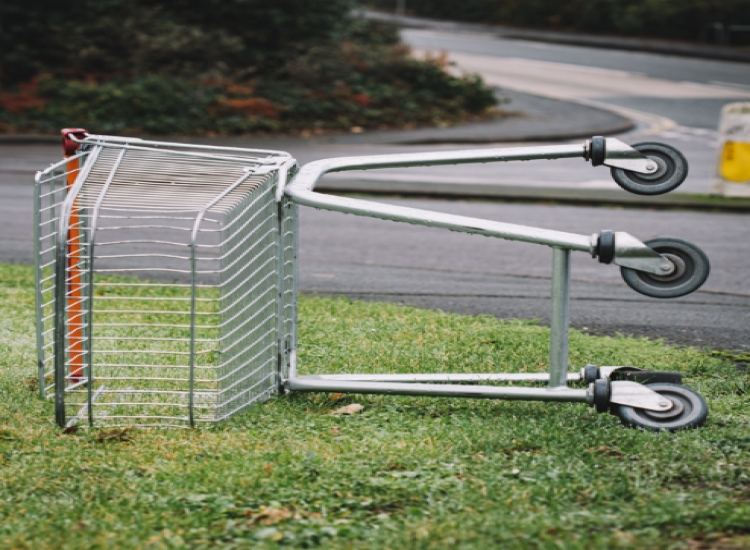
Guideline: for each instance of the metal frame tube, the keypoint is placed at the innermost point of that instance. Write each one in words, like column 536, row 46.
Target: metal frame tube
column 558, row 344
column 301, row 191
column 193, row 288
column 443, row 377
column 280, row 352
column 89, row 378
column 133, row 143
column 314, row 384
column 38, row 283
column 61, row 283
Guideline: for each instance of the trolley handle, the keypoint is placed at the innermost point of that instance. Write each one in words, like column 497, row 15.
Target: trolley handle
column 301, row 191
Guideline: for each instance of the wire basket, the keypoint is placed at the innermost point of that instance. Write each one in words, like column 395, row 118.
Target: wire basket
column 166, row 288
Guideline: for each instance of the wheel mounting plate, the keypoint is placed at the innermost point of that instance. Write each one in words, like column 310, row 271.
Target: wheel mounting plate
column 638, row 396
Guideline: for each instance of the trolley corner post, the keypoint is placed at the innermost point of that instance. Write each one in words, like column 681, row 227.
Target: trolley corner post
column 560, row 316
column 68, row 289
column 74, row 283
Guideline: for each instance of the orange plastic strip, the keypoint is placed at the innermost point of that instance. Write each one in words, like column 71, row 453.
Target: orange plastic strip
column 75, row 291
column 75, row 294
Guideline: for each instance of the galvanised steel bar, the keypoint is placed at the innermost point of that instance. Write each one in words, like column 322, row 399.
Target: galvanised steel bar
column 280, row 355
column 90, row 397
column 301, row 191
column 45, row 244
column 61, row 285
column 313, row 384
column 38, row 282
column 443, row 377
column 116, row 141
column 558, row 345
column 193, row 282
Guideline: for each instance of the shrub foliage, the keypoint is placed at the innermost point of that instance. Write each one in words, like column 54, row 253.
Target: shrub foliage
column 226, row 66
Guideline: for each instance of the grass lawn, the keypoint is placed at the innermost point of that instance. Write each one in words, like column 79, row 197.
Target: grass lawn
column 403, row 473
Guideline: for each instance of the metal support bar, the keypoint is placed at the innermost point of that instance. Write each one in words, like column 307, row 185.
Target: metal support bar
column 558, row 345
column 314, row 384
column 301, row 191
column 442, row 377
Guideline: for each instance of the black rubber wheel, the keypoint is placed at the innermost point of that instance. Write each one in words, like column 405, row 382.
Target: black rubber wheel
column 689, row 410
column 691, row 270
column 671, row 172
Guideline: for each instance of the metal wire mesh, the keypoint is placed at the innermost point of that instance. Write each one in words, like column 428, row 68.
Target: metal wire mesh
column 165, row 283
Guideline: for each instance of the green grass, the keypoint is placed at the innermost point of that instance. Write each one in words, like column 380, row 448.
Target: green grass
column 403, row 473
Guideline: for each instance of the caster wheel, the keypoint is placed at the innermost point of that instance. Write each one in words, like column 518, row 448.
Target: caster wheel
column 689, row 410
column 672, row 169
column 691, row 270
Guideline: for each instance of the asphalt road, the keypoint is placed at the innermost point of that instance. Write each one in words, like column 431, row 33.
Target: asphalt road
column 689, row 91
column 380, row 260
column 675, row 100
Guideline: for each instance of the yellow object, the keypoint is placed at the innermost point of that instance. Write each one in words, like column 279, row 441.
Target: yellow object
column 735, row 161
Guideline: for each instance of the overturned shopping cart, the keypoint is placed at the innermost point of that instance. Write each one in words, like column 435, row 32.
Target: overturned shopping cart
column 167, row 281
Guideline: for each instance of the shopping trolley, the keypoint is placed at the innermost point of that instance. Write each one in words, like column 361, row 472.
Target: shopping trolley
column 167, row 281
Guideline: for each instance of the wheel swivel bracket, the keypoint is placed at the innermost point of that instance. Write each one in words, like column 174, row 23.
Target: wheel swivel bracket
column 631, row 394
column 616, row 154
column 626, row 251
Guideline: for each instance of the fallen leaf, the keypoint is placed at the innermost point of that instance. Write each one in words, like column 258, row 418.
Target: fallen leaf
column 605, row 450
column 349, row 409
column 271, row 516
column 268, row 468
column 116, row 434
column 337, row 396
column 70, row 429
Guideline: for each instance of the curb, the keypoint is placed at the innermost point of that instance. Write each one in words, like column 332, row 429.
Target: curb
column 653, row 45
column 509, row 193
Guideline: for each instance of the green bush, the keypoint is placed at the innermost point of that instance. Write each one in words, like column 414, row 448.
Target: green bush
column 233, row 66
column 683, row 19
